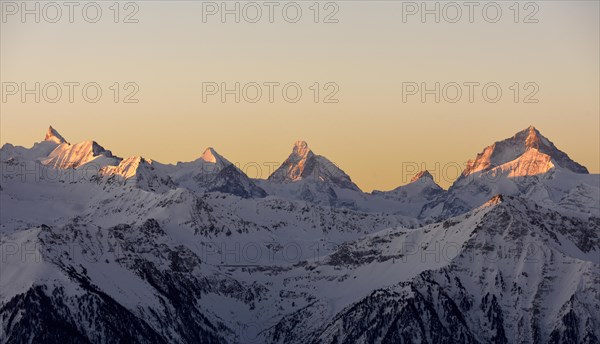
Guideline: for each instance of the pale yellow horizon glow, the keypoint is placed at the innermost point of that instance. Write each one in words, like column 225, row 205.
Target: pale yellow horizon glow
column 371, row 133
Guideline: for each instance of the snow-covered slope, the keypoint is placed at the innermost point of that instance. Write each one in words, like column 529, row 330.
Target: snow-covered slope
column 80, row 154
column 15, row 154
column 138, row 172
column 309, row 177
column 212, row 172
column 469, row 278
column 304, row 165
column 510, row 272
column 512, row 148
column 527, row 164
column 143, row 252
column 421, row 190
column 87, row 154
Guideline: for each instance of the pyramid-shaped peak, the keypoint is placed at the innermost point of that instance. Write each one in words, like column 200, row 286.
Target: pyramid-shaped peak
column 209, row 155
column 531, row 131
column 301, row 148
column 510, row 149
column 529, row 128
column 305, row 165
column 421, row 175
column 95, row 148
column 53, row 136
column 531, row 137
column 300, row 144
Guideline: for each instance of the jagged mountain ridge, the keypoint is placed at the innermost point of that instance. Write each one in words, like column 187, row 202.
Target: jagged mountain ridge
column 210, row 172
column 168, row 250
column 309, row 177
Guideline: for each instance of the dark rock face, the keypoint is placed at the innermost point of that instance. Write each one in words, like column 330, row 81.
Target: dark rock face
column 232, row 181
column 387, row 316
column 47, row 316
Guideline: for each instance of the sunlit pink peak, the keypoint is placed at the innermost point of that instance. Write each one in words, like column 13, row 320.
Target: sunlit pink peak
column 301, row 148
column 54, row 136
column 533, row 136
column 127, row 168
column 74, row 155
column 421, row 175
column 209, row 155
column 497, row 199
column 510, row 149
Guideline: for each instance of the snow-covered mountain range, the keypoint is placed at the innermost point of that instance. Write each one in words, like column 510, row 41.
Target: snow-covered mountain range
column 101, row 249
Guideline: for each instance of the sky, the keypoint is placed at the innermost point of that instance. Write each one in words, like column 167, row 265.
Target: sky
column 163, row 69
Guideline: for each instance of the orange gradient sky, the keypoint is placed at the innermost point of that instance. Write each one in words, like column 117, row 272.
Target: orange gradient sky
column 371, row 133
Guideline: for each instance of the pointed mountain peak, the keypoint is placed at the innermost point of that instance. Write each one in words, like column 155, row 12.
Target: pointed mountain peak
column 515, row 147
column 53, row 136
column 94, row 147
column 530, row 128
column 303, row 164
column 210, row 155
column 531, row 137
column 301, row 149
column 421, row 175
column 294, row 167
